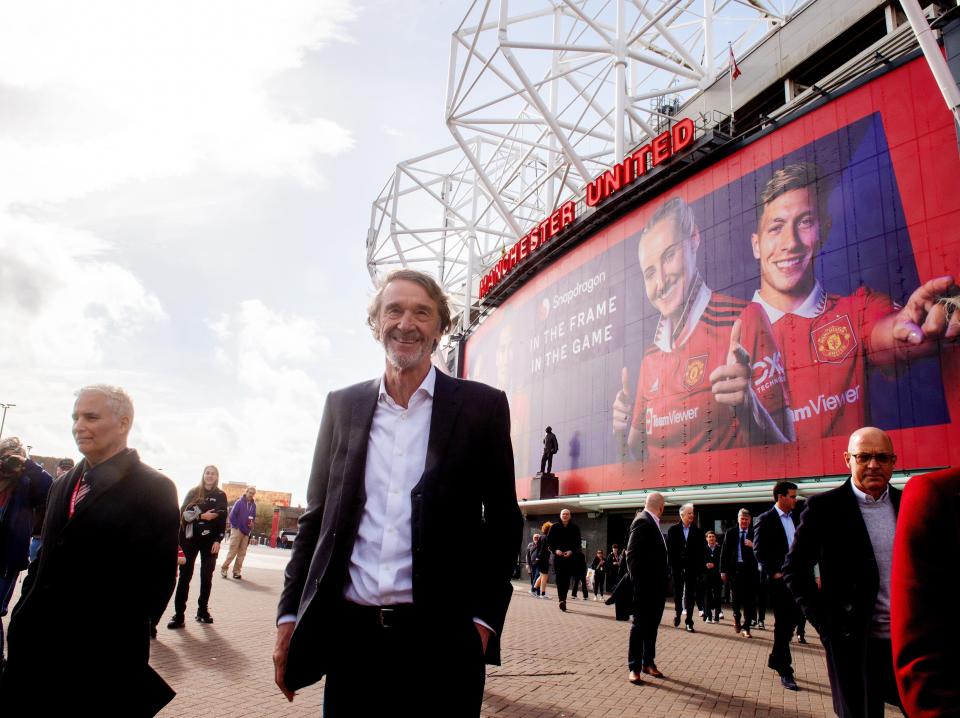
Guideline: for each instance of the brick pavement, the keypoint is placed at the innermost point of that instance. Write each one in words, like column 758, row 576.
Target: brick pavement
column 571, row 665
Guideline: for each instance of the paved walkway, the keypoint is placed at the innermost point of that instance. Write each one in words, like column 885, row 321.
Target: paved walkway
column 571, row 665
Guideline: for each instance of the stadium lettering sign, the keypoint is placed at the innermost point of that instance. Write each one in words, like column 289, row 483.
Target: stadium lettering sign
column 661, row 148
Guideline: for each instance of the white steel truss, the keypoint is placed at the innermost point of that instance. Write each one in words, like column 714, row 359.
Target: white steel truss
column 542, row 96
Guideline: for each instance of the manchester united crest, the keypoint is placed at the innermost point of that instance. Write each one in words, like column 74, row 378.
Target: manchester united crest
column 835, row 341
column 696, row 368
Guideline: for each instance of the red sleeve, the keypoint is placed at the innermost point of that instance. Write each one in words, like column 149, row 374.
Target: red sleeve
column 926, row 545
column 871, row 307
column 769, row 375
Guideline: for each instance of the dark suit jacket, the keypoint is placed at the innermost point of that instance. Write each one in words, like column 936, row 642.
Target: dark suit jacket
column 925, row 577
column 468, row 472
column 80, row 633
column 686, row 555
column 646, row 558
column 712, row 556
column 771, row 545
column 832, row 534
column 728, row 554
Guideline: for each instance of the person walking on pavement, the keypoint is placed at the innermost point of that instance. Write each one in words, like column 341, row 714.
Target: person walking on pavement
column 543, row 561
column 532, row 549
column 850, row 532
column 738, row 565
column 242, row 516
column 550, row 447
column 646, row 559
column 599, row 575
column 203, row 519
column 712, row 584
column 564, row 543
column 774, row 535
column 685, row 546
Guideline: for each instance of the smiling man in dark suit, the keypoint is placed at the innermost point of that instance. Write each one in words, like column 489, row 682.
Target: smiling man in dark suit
column 368, row 599
column 80, row 635
column 774, row 534
column 738, row 565
column 849, row 531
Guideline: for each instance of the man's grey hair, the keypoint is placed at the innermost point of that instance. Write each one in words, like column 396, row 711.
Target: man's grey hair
column 117, row 399
column 686, row 506
column 744, row 512
column 429, row 284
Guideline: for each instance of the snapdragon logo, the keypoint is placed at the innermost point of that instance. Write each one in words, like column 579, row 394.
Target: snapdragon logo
column 653, row 420
column 587, row 286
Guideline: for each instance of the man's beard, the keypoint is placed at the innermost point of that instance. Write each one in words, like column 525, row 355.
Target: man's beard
column 406, row 361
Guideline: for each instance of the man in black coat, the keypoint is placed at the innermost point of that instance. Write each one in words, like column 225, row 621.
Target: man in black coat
column 685, row 545
column 738, row 565
column 80, row 634
column 367, row 598
column 774, row 535
column 646, row 558
column 849, row 531
column 712, row 585
column 563, row 541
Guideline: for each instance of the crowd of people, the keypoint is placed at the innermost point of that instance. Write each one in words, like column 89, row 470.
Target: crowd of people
column 835, row 565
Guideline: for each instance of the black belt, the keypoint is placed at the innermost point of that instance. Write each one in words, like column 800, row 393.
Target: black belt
column 400, row 615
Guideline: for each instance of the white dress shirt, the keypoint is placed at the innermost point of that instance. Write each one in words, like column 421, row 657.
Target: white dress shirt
column 788, row 528
column 381, row 565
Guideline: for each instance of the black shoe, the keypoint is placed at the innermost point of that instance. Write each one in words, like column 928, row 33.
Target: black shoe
column 204, row 618
column 176, row 621
column 690, row 628
column 801, row 638
column 789, row 683
column 236, row 576
column 563, row 606
column 737, row 626
column 676, row 622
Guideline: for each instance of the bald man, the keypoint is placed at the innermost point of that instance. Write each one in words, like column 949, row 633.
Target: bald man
column 849, row 531
column 647, row 563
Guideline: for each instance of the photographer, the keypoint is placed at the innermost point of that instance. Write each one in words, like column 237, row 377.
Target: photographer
column 23, row 489
column 203, row 519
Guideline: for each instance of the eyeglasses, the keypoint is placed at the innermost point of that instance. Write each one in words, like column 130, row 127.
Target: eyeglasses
column 882, row 458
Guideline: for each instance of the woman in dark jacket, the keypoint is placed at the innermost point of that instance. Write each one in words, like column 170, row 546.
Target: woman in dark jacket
column 599, row 573
column 543, row 561
column 203, row 520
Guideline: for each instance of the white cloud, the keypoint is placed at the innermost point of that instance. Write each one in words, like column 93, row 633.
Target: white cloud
column 125, row 90
column 61, row 296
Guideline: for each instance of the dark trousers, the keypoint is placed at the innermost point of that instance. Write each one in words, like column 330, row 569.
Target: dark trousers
column 563, row 568
column 786, row 614
column 712, row 591
column 546, row 463
column 763, row 597
column 599, row 581
column 580, row 580
column 861, row 683
column 642, row 648
column 208, row 561
column 436, row 662
column 684, row 592
column 743, row 591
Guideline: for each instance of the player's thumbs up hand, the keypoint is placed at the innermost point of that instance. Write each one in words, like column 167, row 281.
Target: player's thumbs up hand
column 623, row 404
column 731, row 383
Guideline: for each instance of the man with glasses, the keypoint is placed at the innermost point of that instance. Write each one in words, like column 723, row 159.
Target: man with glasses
column 713, row 378
column 849, row 531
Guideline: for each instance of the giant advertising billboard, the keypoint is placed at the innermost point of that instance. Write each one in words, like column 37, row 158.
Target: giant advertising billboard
column 740, row 326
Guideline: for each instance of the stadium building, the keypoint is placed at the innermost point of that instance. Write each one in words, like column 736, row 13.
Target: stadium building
column 680, row 233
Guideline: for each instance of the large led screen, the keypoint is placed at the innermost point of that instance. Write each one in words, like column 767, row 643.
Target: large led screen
column 740, row 326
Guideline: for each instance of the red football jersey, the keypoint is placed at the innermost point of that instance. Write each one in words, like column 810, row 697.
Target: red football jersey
column 826, row 362
column 675, row 408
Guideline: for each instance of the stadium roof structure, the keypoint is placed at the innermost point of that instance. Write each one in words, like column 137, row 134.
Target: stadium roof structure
column 545, row 95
